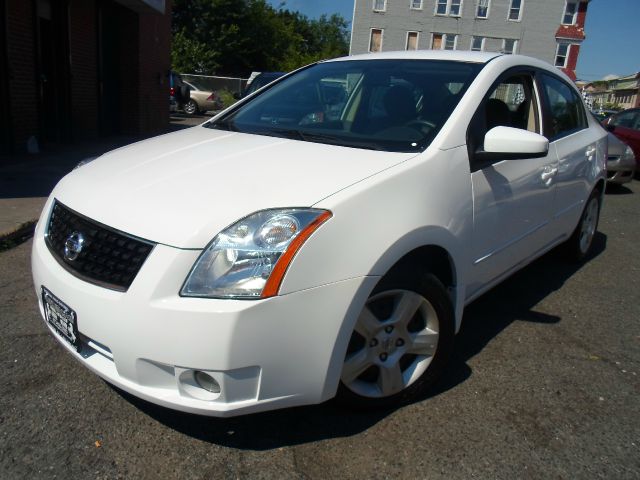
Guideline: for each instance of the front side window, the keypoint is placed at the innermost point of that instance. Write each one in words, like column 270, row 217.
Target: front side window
column 416, row 4
column 515, row 10
column 512, row 103
column 509, row 45
column 375, row 43
column 570, row 10
column 562, row 53
column 566, row 112
column 388, row 105
column 412, row 41
column 482, row 9
column 477, row 44
column 379, row 5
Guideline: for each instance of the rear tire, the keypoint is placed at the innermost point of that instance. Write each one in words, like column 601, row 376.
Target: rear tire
column 579, row 244
column 401, row 343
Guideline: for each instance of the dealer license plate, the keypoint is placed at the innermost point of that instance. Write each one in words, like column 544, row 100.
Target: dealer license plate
column 61, row 317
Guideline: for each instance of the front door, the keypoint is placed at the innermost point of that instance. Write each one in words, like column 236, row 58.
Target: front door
column 512, row 199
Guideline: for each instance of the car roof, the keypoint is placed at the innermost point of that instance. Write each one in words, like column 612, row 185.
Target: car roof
column 451, row 55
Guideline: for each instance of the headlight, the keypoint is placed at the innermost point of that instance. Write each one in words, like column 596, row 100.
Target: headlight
column 249, row 258
column 628, row 154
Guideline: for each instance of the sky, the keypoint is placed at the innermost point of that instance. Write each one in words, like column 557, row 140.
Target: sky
column 612, row 46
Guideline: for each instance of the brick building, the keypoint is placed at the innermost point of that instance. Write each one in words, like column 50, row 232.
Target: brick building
column 77, row 69
column 551, row 30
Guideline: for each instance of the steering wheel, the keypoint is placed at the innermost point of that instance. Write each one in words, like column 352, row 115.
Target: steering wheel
column 420, row 125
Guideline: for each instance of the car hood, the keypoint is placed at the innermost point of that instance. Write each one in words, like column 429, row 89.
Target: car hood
column 183, row 188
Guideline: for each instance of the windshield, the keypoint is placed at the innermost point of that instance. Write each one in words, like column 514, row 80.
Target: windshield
column 389, row 105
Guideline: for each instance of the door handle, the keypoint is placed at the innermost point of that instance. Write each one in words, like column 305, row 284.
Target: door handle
column 548, row 172
column 590, row 151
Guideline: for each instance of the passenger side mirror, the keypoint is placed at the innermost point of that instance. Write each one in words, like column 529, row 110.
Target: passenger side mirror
column 507, row 143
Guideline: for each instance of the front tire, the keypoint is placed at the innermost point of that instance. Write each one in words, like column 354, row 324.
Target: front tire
column 400, row 345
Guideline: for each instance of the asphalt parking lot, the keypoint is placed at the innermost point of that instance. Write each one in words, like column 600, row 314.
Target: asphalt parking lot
column 544, row 384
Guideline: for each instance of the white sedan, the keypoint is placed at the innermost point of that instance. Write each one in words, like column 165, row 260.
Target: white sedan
column 321, row 237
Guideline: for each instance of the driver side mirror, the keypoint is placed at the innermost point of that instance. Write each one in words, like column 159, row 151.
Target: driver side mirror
column 507, row 143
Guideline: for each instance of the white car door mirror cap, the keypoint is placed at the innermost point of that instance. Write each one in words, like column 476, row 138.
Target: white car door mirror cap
column 515, row 141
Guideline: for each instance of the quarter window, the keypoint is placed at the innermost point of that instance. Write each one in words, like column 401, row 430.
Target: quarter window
column 379, row 5
column 515, row 10
column 482, row 9
column 570, row 10
column 565, row 109
column 416, row 4
column 375, row 44
column 412, row 41
column 562, row 53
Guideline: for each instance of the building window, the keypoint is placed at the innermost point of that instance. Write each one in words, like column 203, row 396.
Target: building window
column 450, row 41
column 570, row 11
column 455, row 8
column 509, row 45
column 379, row 5
column 515, row 11
column 416, row 4
column 477, row 44
column 375, row 45
column 482, row 9
column 562, row 54
column 449, row 7
column 412, row 41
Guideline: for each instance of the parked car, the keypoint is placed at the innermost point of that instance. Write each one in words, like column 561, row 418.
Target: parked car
column 277, row 256
column 602, row 115
column 260, row 81
column 179, row 92
column 202, row 99
column 626, row 126
column 621, row 162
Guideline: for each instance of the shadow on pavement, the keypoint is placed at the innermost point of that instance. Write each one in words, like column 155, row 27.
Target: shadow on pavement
column 615, row 189
column 484, row 319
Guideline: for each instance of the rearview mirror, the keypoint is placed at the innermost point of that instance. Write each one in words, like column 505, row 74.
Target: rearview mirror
column 507, row 143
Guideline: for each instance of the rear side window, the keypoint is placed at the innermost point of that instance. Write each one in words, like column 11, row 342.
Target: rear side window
column 565, row 112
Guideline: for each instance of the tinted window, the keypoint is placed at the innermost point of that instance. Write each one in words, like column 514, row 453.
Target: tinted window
column 565, row 109
column 391, row 105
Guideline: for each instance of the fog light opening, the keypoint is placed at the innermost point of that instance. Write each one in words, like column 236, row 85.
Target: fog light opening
column 206, row 381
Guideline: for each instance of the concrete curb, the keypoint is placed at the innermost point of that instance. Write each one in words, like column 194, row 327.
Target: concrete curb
column 16, row 236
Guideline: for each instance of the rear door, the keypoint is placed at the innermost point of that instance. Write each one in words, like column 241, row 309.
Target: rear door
column 575, row 144
column 512, row 199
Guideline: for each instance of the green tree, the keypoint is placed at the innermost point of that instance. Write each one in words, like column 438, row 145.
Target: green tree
column 235, row 37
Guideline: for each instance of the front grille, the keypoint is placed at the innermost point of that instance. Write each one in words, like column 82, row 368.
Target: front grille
column 107, row 257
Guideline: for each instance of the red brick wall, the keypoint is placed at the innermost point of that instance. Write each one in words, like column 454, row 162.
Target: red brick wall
column 84, row 67
column 23, row 95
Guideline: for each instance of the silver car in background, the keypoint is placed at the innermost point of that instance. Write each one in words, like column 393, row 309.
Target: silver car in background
column 621, row 162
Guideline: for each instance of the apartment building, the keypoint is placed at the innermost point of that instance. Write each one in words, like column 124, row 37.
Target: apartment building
column 551, row 30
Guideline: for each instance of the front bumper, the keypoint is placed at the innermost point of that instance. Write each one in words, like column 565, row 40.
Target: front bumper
column 620, row 170
column 265, row 354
